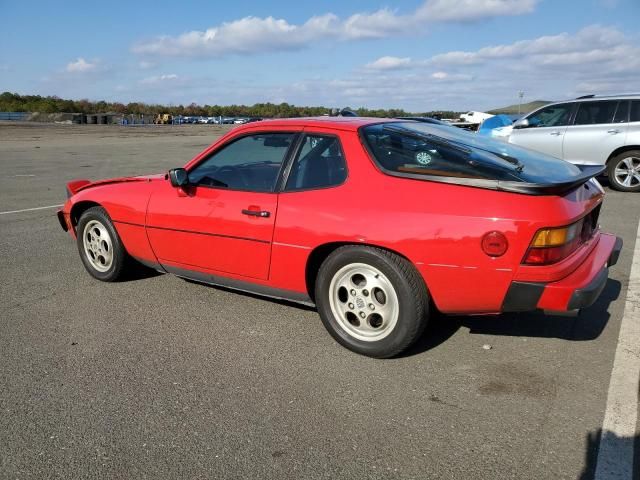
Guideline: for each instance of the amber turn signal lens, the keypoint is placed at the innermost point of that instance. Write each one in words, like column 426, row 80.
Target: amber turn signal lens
column 550, row 237
column 554, row 237
column 494, row 244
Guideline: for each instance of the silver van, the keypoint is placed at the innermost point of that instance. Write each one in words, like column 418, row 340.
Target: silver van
column 590, row 130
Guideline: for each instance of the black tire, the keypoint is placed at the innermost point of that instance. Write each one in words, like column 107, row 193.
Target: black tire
column 119, row 258
column 409, row 287
column 614, row 181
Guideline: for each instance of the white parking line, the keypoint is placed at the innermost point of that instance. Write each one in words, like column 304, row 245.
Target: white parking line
column 615, row 455
column 30, row 209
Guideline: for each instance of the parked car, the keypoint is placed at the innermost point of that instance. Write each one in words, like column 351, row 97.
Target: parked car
column 376, row 222
column 475, row 117
column 590, row 130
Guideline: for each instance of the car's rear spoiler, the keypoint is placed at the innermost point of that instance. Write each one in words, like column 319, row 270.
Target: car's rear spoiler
column 75, row 185
column 556, row 188
column 527, row 188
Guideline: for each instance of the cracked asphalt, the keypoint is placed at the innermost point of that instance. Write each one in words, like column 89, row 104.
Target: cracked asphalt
column 158, row 377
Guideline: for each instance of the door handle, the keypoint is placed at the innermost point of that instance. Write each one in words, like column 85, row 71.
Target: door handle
column 256, row 213
column 613, row 131
column 555, row 134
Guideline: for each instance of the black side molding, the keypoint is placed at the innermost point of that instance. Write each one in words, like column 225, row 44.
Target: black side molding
column 585, row 297
column 615, row 254
column 522, row 296
column 240, row 285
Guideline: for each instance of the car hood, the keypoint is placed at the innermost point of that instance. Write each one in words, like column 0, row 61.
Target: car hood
column 76, row 186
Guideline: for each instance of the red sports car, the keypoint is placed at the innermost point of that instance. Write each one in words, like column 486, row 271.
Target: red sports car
column 376, row 222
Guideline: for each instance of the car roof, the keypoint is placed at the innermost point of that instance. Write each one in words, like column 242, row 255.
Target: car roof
column 588, row 98
column 620, row 95
column 591, row 98
column 339, row 123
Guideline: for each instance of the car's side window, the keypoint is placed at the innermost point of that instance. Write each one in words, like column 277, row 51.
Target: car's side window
column 593, row 113
column 635, row 111
column 551, row 116
column 249, row 163
column 622, row 112
column 320, row 163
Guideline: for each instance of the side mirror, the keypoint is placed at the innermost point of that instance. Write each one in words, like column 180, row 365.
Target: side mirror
column 521, row 123
column 178, row 177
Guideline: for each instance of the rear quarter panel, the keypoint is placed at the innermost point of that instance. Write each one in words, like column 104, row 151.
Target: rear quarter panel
column 438, row 227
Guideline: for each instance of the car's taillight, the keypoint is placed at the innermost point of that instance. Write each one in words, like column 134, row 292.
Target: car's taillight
column 550, row 245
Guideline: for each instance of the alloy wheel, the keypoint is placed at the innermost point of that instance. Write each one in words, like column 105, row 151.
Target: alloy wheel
column 627, row 172
column 98, row 246
column 363, row 302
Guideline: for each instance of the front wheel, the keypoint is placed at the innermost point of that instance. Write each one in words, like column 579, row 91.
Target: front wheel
column 624, row 171
column 371, row 301
column 99, row 245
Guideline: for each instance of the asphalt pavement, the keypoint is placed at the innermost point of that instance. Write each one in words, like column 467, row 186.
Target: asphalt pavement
column 158, row 377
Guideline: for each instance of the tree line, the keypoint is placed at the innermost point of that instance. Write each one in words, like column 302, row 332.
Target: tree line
column 12, row 102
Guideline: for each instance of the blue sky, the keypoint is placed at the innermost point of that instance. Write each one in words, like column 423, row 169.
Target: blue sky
column 415, row 54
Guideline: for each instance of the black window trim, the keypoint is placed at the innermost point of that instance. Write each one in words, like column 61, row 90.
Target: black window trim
column 297, row 134
column 282, row 187
column 621, row 102
column 575, row 112
column 631, row 102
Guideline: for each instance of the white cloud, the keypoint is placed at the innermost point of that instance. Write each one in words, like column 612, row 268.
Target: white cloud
column 595, row 59
column 592, row 60
column 156, row 79
column 382, row 23
column 247, row 35
column 251, row 35
column 146, row 65
column 82, row 66
column 473, row 10
column 390, row 63
column 580, row 46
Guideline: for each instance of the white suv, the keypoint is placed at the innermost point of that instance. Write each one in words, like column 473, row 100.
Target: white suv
column 590, row 130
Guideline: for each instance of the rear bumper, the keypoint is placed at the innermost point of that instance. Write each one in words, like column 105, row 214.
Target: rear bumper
column 578, row 290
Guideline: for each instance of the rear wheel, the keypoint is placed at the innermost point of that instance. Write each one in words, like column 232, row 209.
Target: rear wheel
column 99, row 245
column 624, row 171
column 371, row 301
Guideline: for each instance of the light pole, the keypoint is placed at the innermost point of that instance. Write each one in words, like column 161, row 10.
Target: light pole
column 520, row 95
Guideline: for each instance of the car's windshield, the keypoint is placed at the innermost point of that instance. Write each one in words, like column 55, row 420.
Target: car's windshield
column 420, row 149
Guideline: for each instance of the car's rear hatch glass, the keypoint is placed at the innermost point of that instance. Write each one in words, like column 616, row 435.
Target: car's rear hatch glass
column 448, row 154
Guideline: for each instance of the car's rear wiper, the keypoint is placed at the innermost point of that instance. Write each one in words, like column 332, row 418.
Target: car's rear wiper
column 512, row 160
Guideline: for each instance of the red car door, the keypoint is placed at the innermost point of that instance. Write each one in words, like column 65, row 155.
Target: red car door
column 223, row 221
